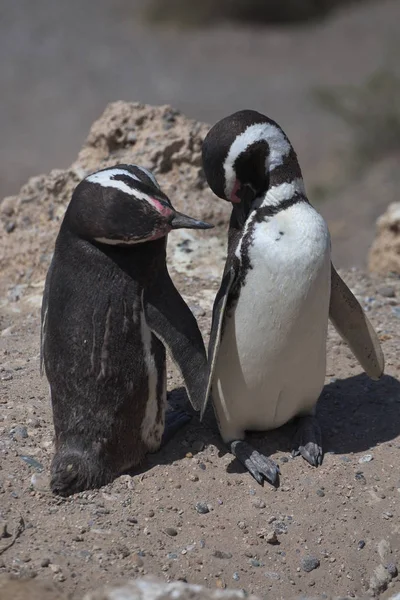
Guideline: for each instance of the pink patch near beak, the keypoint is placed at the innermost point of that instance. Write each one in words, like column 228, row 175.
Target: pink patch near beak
column 234, row 197
column 164, row 210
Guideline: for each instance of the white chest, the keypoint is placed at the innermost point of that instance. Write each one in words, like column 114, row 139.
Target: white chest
column 271, row 362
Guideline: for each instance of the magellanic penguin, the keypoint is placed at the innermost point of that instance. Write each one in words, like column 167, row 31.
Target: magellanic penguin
column 109, row 310
column 267, row 351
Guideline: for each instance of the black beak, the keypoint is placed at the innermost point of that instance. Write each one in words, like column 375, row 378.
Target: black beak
column 242, row 209
column 181, row 221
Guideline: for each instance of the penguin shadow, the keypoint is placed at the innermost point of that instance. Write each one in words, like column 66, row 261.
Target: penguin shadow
column 355, row 414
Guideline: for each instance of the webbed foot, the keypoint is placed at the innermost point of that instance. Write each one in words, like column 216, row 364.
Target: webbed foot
column 261, row 467
column 174, row 421
column 308, row 440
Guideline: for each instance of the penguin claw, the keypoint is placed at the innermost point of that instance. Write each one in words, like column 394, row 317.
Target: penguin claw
column 258, row 465
column 308, row 441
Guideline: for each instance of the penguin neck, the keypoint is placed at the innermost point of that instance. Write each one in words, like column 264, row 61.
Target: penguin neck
column 280, row 195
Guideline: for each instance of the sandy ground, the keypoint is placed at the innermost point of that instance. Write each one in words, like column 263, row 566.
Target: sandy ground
column 342, row 518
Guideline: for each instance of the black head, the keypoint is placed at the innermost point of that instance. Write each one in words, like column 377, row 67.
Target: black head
column 242, row 152
column 124, row 205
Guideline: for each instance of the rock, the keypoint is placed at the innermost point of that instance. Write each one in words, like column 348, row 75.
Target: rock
column 379, row 580
column 384, row 255
column 387, row 291
column 126, row 132
column 149, row 588
column 171, row 531
column 221, row 554
column 202, row 508
column 309, row 563
column 366, row 458
column 392, row 570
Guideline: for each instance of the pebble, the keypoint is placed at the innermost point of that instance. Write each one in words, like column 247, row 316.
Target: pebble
column 172, row 555
column 271, row 538
column 309, row 563
column 44, row 562
column 19, row 432
column 193, row 477
column 272, row 575
column 171, row 531
column 221, row 554
column 55, row 568
column 202, row 508
column 359, row 476
column 137, row 560
column 284, row 459
column 387, row 515
column 366, row 458
column 259, row 503
column 255, row 563
column 396, row 311
column 387, row 291
column 380, row 580
column 392, row 569
column 320, row 493
column 32, row 462
column 361, row 545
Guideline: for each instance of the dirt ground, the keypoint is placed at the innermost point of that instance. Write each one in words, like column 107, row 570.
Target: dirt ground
column 345, row 514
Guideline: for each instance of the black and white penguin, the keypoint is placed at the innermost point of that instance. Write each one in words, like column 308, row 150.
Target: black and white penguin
column 267, row 351
column 109, row 310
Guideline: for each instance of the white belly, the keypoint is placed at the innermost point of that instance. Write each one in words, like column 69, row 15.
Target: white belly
column 272, row 358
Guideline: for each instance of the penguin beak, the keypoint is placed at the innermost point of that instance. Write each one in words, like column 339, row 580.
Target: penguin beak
column 242, row 209
column 181, row 221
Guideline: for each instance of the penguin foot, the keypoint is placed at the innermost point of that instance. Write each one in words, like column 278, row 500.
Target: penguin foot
column 257, row 465
column 73, row 471
column 308, row 440
column 174, row 421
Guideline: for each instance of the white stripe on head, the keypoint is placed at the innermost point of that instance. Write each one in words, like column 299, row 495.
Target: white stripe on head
column 279, row 147
column 105, row 179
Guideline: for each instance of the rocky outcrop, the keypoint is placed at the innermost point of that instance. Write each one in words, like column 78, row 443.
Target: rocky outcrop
column 384, row 256
column 159, row 138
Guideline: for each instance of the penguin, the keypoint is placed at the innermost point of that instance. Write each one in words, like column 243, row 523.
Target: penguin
column 109, row 311
column 267, row 349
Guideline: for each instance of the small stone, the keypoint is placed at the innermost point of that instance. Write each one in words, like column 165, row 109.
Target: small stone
column 137, row 560
column 172, row 555
column 44, row 562
column 359, row 476
column 55, row 568
column 273, row 575
column 20, row 432
column 189, row 455
column 259, row 503
column 59, row 577
column 193, row 477
column 242, row 525
column 387, row 515
column 361, row 545
column 365, row 459
column 309, row 563
column 255, row 563
column 221, row 554
column 320, row 493
column 284, row 459
column 271, row 538
column 387, row 291
column 236, row 576
column 220, row 584
column 171, row 531
column 392, row 570
column 202, row 508
column 11, row 225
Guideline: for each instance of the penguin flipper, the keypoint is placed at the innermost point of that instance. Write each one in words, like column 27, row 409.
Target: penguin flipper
column 172, row 322
column 219, row 307
column 351, row 322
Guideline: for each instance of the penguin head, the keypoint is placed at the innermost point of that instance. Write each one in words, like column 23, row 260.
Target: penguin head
column 124, row 205
column 239, row 154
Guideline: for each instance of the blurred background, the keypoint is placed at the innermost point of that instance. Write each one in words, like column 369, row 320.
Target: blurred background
column 326, row 70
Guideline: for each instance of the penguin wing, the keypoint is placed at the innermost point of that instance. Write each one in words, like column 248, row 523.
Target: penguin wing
column 219, row 307
column 172, row 322
column 351, row 322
